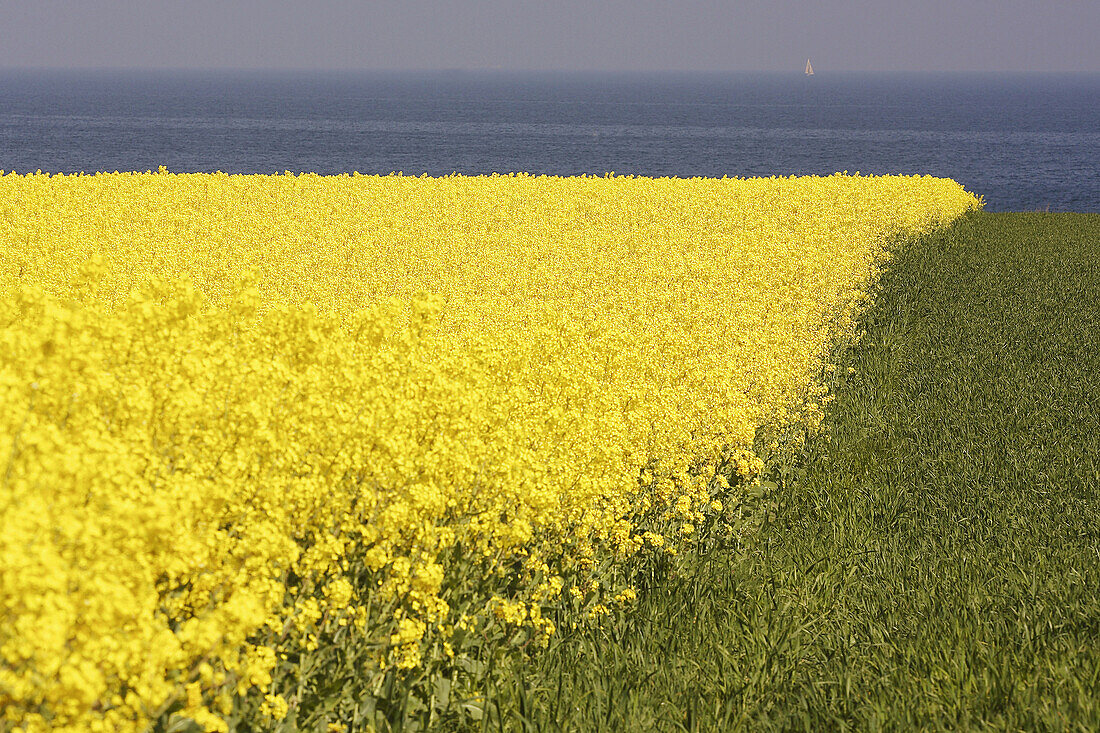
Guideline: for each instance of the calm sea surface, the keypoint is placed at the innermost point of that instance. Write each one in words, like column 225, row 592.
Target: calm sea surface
column 1024, row 142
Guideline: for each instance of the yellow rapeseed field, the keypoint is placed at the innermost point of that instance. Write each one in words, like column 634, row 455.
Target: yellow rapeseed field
column 241, row 416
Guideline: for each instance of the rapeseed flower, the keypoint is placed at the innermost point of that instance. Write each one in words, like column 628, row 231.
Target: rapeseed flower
column 240, row 413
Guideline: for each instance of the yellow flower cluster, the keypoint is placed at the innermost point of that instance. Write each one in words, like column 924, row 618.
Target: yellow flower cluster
column 236, row 411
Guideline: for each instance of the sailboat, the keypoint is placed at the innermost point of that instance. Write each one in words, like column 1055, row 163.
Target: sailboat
column 809, row 69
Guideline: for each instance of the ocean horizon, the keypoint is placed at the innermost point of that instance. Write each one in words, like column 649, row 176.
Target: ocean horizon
column 1023, row 141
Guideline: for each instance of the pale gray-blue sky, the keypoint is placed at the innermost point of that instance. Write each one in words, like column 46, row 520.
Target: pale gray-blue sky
column 888, row 35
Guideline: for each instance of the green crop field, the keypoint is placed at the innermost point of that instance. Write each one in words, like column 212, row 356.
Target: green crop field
column 935, row 561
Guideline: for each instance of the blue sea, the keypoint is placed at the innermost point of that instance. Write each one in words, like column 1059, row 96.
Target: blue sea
column 1023, row 142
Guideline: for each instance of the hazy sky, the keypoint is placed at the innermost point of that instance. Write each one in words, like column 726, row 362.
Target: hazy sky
column 889, row 35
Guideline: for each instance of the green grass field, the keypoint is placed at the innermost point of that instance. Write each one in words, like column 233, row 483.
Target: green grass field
column 934, row 563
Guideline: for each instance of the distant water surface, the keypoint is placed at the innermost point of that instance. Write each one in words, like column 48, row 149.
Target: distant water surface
column 1024, row 142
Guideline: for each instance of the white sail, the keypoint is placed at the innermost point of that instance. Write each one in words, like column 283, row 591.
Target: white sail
column 809, row 69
